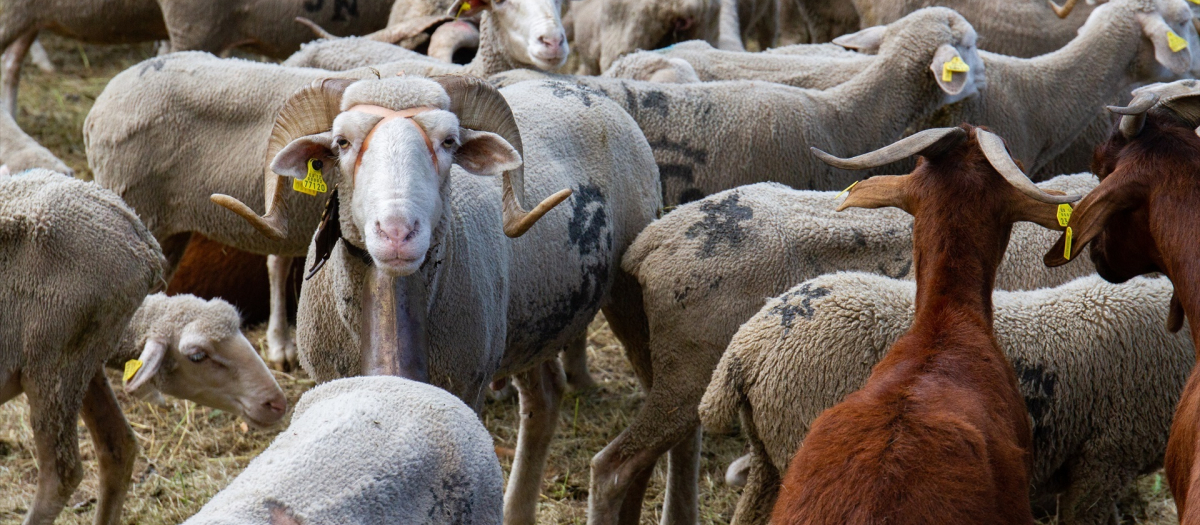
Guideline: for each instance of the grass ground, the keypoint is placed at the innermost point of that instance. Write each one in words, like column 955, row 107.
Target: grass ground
column 189, row 452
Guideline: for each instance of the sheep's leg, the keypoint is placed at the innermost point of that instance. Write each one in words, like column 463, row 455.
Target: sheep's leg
column 53, row 412
column 631, row 507
column 40, row 58
column 682, row 500
column 12, row 58
column 1096, row 485
column 281, row 349
column 758, row 497
column 540, row 389
column 116, row 448
column 575, row 363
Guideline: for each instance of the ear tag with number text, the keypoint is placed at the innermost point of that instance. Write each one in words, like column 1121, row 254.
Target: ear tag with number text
column 466, row 6
column 955, row 65
column 1067, row 244
column 1175, row 42
column 845, row 191
column 313, row 183
column 1064, row 214
column 131, row 368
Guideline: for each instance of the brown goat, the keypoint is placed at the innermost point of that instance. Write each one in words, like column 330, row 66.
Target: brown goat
column 209, row 269
column 939, row 434
column 1143, row 218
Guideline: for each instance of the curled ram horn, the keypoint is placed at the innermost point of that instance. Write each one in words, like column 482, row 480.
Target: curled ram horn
column 309, row 111
column 993, row 148
column 1134, row 115
column 479, row 106
column 928, row 143
column 450, row 37
column 1064, row 10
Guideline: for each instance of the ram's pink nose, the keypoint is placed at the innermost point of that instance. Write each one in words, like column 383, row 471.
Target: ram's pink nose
column 396, row 234
column 552, row 41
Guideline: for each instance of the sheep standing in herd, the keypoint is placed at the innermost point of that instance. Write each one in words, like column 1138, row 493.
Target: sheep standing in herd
column 810, row 347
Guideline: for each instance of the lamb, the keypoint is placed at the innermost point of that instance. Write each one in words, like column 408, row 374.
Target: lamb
column 1047, row 106
column 696, row 293
column 103, row 261
column 512, row 34
column 369, row 450
column 713, row 136
column 412, row 275
column 604, row 30
column 815, row 344
column 1140, row 220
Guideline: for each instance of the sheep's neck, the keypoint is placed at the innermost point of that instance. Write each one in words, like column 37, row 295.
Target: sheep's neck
column 490, row 58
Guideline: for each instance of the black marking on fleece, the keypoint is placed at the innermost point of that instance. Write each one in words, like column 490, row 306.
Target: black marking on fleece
column 565, row 90
column 788, row 312
column 721, row 225
column 1038, row 385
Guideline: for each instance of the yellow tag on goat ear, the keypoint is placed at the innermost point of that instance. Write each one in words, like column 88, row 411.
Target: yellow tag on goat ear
column 845, row 191
column 1175, row 42
column 313, row 183
column 466, row 6
column 1064, row 214
column 1067, row 244
column 954, row 65
column 131, row 368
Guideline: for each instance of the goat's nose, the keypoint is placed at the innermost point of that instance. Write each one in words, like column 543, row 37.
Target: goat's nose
column 277, row 405
column 552, row 40
column 397, row 233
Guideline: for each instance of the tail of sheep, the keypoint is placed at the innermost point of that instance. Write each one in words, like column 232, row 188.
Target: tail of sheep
column 724, row 398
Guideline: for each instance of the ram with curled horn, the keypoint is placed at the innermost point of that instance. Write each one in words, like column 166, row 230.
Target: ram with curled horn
column 427, row 265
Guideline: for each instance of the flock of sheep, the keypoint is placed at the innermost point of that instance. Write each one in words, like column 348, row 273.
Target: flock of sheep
column 464, row 209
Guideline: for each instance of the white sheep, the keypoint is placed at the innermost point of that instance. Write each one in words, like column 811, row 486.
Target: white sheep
column 604, row 30
column 421, row 280
column 1099, row 372
column 712, row 136
column 369, row 450
column 708, row 266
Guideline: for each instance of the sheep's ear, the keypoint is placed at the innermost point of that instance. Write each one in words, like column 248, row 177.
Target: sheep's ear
column 1173, row 50
column 484, row 153
column 468, row 8
column 880, row 191
column 952, row 73
column 1090, row 217
column 866, row 41
column 292, row 160
column 138, row 373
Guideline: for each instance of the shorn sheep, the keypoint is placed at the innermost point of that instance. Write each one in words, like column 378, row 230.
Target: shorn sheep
column 369, row 450
column 894, row 449
column 1142, row 219
column 713, row 136
column 697, row 291
column 100, row 258
column 421, row 280
column 1099, row 373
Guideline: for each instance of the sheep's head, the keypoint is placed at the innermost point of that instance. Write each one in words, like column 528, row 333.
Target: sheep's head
column 198, row 352
column 1169, row 41
column 1143, row 208
column 943, row 39
column 530, row 31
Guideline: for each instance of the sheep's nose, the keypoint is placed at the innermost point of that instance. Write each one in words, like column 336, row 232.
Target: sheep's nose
column 277, row 405
column 552, row 41
column 396, row 233
column 684, row 23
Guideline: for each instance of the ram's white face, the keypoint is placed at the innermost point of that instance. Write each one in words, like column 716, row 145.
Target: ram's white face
column 397, row 187
column 532, row 31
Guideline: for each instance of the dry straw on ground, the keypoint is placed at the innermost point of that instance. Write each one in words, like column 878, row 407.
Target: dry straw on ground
column 188, row 452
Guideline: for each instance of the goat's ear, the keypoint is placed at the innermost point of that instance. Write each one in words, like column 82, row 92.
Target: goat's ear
column 1173, row 50
column 292, row 160
column 1090, row 217
column 468, row 8
column 1028, row 209
column 952, row 73
column 484, row 153
column 147, row 365
column 866, row 41
column 880, row 191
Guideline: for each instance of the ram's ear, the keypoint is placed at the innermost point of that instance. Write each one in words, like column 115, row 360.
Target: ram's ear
column 468, row 8
column 1173, row 50
column 485, row 153
column 880, row 191
column 292, row 160
column 139, row 372
column 866, row 41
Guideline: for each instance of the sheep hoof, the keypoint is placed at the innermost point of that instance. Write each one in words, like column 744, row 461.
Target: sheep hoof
column 582, row 382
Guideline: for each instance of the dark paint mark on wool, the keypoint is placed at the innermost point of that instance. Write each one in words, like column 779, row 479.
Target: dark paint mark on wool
column 342, row 8
column 656, row 100
column 675, row 171
column 312, row 6
column 157, row 64
column 721, row 224
column 696, row 155
column 788, row 312
column 564, row 90
column 454, row 503
column 901, row 273
column 691, row 195
column 1038, row 385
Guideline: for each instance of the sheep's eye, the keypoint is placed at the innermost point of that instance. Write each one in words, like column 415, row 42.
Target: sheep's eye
column 449, row 142
column 197, row 356
column 343, row 143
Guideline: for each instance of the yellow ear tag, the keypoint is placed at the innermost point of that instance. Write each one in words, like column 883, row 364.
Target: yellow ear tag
column 1064, row 214
column 845, row 191
column 131, row 368
column 313, row 183
column 955, row 65
column 466, row 6
column 1067, row 244
column 1176, row 43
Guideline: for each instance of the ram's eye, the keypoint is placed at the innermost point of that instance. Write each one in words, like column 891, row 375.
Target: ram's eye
column 449, row 142
column 343, row 143
column 197, row 356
